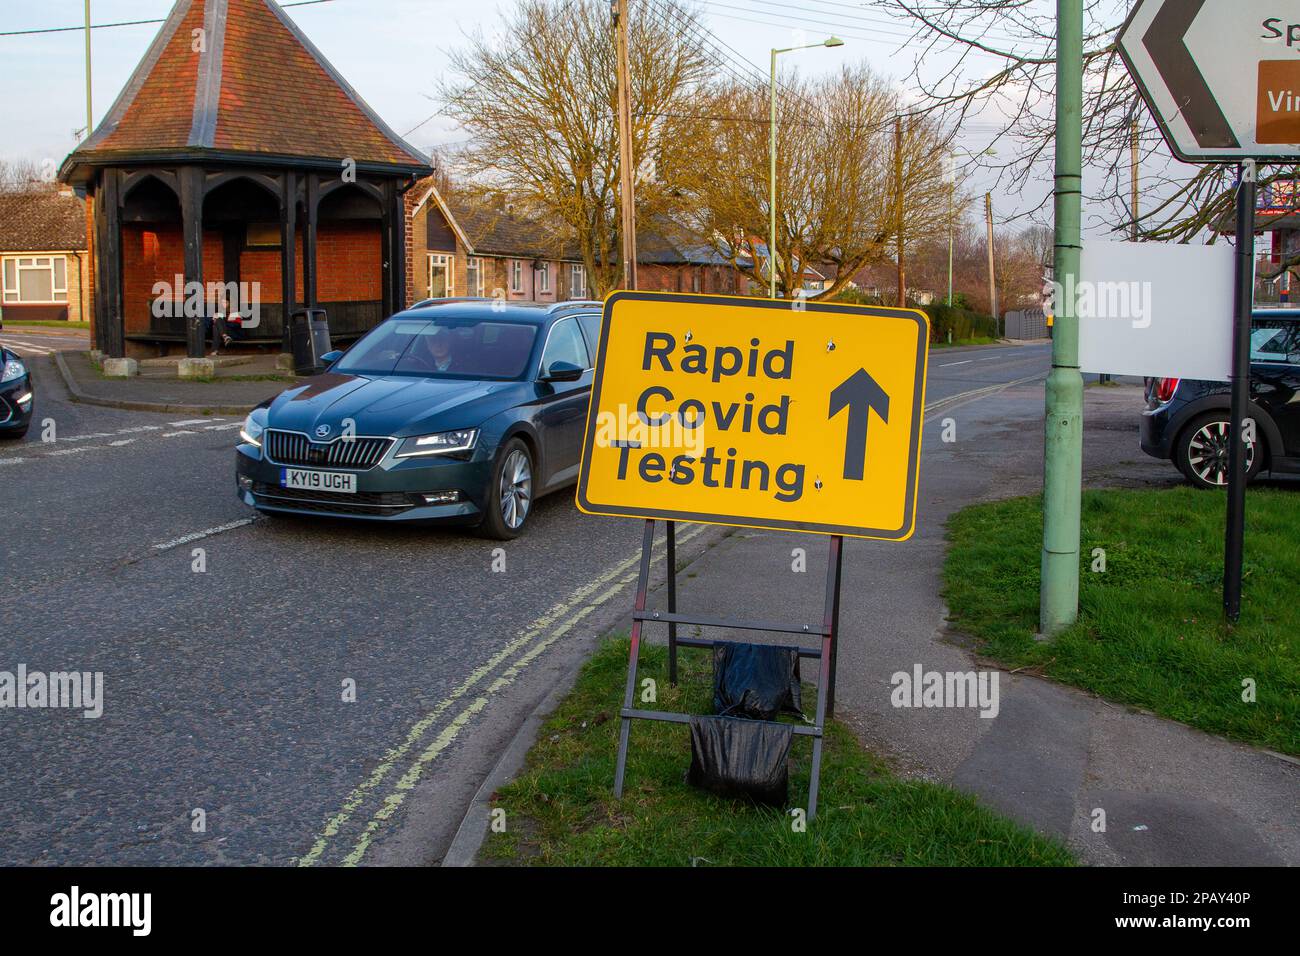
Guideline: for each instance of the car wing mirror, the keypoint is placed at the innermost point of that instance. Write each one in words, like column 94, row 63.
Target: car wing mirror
column 562, row 372
column 329, row 358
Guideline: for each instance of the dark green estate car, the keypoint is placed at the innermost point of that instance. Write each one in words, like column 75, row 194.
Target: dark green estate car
column 456, row 410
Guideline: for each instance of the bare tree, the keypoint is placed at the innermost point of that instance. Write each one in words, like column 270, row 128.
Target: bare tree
column 542, row 116
column 23, row 175
column 1001, row 63
column 838, row 199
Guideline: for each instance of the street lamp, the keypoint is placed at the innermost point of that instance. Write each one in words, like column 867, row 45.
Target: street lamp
column 771, row 205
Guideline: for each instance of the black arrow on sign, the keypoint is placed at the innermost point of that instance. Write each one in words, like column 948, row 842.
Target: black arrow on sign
column 1165, row 40
column 859, row 393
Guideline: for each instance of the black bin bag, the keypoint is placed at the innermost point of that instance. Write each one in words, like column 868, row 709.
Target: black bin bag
column 741, row 758
column 755, row 680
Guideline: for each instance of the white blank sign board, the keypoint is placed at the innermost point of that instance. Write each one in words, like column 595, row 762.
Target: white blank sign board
column 1149, row 308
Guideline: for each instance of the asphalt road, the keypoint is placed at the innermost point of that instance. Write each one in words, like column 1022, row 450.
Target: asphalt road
column 229, row 644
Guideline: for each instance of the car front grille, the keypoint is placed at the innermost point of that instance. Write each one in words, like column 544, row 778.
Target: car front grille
column 294, row 448
column 361, row 503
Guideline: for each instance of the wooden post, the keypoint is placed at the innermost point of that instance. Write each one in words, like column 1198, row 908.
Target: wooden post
column 108, row 285
column 191, row 182
column 309, row 242
column 626, row 167
column 993, row 286
column 898, row 198
column 288, row 250
column 398, row 256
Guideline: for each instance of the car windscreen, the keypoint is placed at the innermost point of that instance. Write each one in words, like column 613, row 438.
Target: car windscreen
column 443, row 348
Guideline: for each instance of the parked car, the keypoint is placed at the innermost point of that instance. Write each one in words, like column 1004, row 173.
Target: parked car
column 17, row 395
column 1187, row 420
column 456, row 410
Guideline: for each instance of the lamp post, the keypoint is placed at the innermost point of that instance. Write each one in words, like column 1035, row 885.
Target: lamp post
column 771, row 205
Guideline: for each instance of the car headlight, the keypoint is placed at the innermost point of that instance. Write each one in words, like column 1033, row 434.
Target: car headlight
column 251, row 431
column 14, row 369
column 459, row 443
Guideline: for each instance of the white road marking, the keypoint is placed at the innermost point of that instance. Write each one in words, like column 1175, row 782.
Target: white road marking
column 12, row 461
column 174, row 434
column 198, row 535
column 119, row 443
column 194, row 421
column 223, row 428
column 951, row 364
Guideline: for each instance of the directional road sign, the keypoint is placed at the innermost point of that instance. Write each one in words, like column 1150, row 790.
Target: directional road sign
column 1221, row 77
column 757, row 412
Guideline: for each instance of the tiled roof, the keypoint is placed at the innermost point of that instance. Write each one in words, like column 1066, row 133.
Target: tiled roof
column 41, row 220
column 493, row 230
column 257, row 86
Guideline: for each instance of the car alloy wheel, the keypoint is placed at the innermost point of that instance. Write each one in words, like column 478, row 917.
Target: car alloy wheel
column 1208, row 449
column 516, row 489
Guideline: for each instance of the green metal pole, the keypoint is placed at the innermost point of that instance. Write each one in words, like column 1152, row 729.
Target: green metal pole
column 1063, row 452
column 771, row 200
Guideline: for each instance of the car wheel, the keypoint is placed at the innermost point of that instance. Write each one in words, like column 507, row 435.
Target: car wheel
column 1202, row 452
column 510, row 495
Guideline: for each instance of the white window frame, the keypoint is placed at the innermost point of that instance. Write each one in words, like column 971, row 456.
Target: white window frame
column 474, row 265
column 443, row 260
column 577, row 281
column 12, row 294
column 544, row 279
column 517, row 275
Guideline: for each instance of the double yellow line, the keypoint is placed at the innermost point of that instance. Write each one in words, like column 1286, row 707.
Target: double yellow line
column 537, row 637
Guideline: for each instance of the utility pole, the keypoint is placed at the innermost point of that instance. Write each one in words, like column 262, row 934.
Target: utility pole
column 993, row 285
column 1063, row 449
column 952, row 212
column 90, row 111
column 626, row 170
column 898, row 199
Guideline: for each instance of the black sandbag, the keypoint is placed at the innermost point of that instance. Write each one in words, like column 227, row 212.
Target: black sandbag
column 757, row 681
column 741, row 758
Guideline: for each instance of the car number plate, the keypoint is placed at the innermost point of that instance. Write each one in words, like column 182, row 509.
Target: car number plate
column 318, row 480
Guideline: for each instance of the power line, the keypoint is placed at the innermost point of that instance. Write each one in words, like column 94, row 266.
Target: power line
column 127, row 23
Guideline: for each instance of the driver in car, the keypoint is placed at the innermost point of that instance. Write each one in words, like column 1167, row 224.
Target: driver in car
column 438, row 351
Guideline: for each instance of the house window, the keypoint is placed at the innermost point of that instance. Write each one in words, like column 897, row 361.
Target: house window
column 474, row 277
column 516, row 275
column 440, row 275
column 577, row 282
column 36, row 279
column 544, row 277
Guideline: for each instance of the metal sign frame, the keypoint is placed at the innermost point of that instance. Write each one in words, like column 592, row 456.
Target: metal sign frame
column 825, row 654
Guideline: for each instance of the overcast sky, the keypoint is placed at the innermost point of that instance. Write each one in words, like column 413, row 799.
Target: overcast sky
column 393, row 52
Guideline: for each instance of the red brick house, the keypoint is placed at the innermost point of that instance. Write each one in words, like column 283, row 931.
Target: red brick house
column 236, row 154
column 470, row 246
column 43, row 257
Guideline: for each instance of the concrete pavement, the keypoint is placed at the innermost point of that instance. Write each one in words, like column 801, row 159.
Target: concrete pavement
column 1053, row 755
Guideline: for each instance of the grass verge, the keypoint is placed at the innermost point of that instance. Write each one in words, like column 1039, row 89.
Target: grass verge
column 561, row 810
column 1151, row 631
column 46, row 324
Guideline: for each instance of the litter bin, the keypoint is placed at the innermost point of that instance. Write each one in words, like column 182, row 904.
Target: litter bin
column 309, row 339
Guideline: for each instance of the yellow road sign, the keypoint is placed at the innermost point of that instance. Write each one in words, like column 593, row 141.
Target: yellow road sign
column 757, row 412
